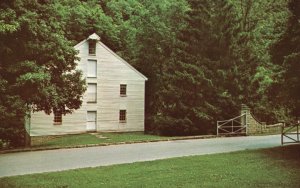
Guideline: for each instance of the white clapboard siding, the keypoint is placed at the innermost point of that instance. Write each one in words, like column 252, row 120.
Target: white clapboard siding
column 42, row 124
column 111, row 72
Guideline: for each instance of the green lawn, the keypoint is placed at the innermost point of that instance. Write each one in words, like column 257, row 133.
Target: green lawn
column 97, row 138
column 276, row 167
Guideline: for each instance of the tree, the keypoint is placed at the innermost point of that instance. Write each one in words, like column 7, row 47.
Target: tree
column 79, row 19
column 286, row 56
column 203, row 77
column 148, row 33
column 37, row 63
column 262, row 22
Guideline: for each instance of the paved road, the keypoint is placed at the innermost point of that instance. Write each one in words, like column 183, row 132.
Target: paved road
column 56, row 160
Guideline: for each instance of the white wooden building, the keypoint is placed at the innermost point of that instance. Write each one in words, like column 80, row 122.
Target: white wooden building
column 114, row 100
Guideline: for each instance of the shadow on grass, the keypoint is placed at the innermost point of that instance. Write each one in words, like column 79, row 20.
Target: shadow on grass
column 288, row 155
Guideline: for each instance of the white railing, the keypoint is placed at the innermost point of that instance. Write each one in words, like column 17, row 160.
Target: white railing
column 291, row 133
column 234, row 126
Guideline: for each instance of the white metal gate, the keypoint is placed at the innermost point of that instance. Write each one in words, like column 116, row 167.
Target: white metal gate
column 290, row 133
column 234, row 126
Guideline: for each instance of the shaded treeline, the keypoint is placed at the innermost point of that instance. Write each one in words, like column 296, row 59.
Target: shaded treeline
column 203, row 58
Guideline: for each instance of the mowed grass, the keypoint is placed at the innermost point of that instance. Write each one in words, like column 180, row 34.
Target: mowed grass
column 97, row 138
column 276, row 167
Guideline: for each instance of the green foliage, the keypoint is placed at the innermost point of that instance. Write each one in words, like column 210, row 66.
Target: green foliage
column 12, row 132
column 11, row 120
column 148, row 35
column 203, row 58
column 7, row 23
column 82, row 18
column 204, row 74
column 37, row 62
column 286, row 56
column 262, row 22
column 219, row 61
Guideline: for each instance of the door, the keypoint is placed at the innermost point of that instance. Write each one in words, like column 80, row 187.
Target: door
column 91, row 123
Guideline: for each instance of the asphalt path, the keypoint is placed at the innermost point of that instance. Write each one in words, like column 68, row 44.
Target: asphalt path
column 12, row 164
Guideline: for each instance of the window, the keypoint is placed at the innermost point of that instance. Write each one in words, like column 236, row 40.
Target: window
column 57, row 117
column 92, row 93
column 92, row 68
column 122, row 116
column 92, row 47
column 123, row 89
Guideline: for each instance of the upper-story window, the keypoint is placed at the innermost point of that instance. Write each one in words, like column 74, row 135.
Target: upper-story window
column 92, row 47
column 123, row 90
column 57, row 117
column 92, row 93
column 92, row 68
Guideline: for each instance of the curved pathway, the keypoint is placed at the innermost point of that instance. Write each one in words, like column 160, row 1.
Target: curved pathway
column 63, row 159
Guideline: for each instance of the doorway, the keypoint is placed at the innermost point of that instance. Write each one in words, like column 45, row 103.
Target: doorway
column 91, row 124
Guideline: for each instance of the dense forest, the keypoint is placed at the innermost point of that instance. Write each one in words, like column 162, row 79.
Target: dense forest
column 203, row 58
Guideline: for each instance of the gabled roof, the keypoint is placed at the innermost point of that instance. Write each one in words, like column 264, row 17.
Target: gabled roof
column 94, row 36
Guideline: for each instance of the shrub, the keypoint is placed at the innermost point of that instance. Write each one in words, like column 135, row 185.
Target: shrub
column 12, row 132
column 169, row 126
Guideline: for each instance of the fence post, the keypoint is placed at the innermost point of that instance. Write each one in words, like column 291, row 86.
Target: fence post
column 298, row 132
column 217, row 128
column 282, row 130
column 27, row 122
column 282, row 133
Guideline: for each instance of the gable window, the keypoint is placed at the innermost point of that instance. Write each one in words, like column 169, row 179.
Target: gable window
column 122, row 116
column 123, row 89
column 57, row 117
column 92, row 93
column 92, row 47
column 92, row 68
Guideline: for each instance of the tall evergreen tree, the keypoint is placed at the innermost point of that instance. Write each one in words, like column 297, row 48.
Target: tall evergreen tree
column 286, row 55
column 262, row 22
column 205, row 74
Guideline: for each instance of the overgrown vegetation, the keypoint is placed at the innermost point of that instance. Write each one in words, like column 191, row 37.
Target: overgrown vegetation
column 276, row 167
column 203, row 58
